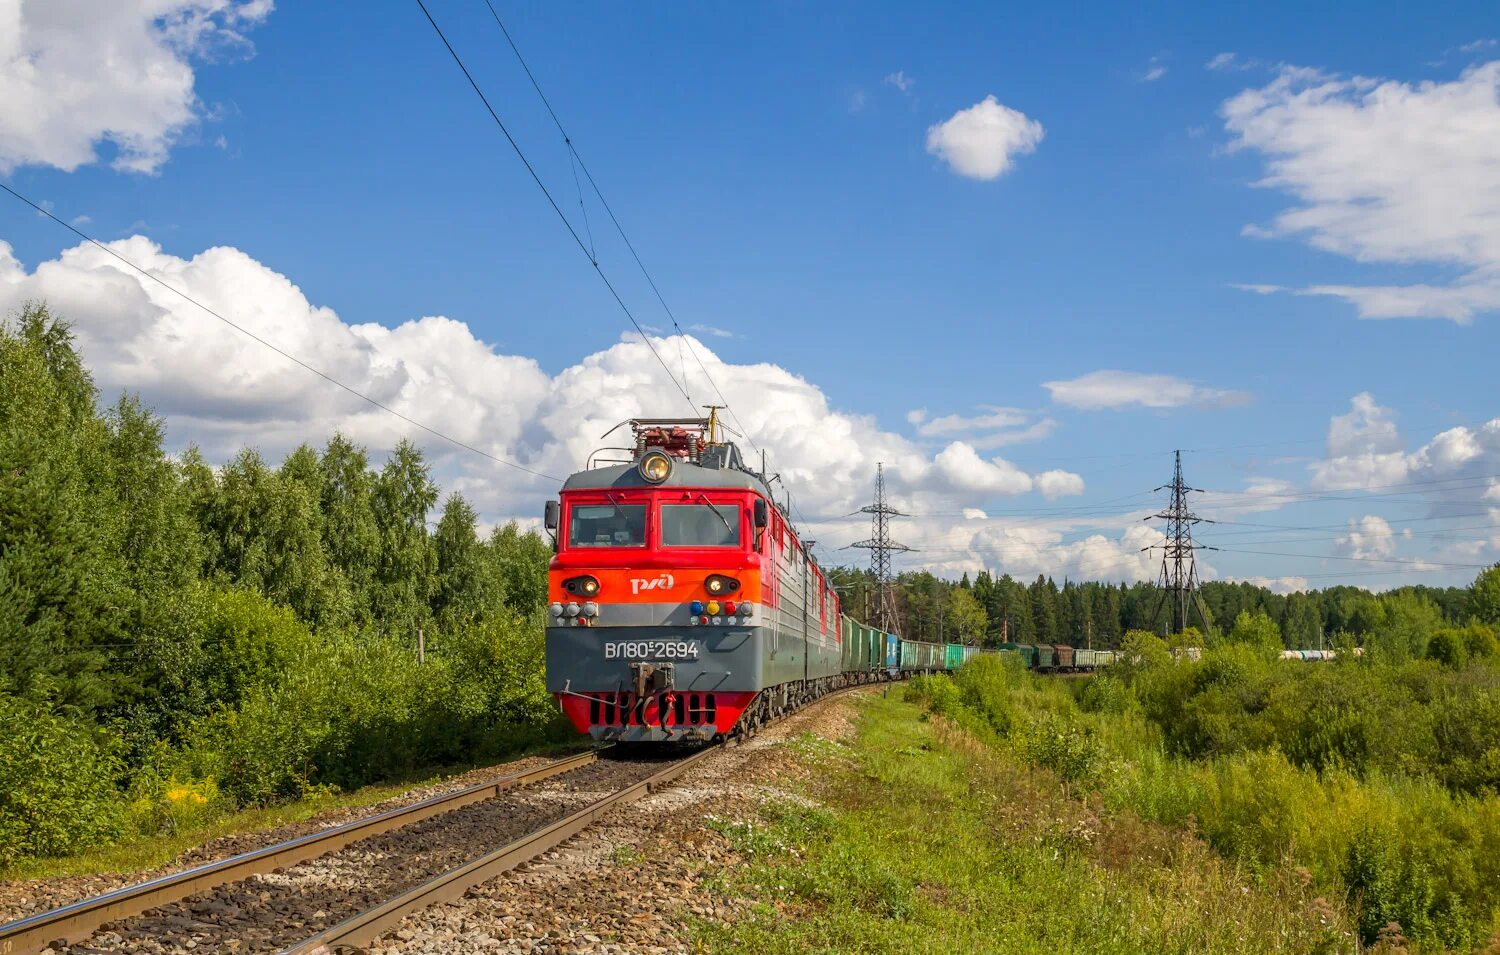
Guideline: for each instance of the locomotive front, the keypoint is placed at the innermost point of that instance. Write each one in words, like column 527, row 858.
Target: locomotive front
column 657, row 627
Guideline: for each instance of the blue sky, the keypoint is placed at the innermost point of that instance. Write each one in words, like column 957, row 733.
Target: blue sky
column 775, row 166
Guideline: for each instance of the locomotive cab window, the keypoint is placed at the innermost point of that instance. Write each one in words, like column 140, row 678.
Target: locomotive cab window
column 700, row 525
column 607, row 525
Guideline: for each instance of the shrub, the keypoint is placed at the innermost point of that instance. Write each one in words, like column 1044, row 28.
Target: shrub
column 1066, row 746
column 57, row 784
column 937, row 691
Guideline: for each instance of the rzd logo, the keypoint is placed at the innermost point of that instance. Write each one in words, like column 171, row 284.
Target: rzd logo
column 662, row 582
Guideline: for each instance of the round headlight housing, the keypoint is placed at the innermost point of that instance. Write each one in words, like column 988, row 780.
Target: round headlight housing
column 585, row 586
column 720, row 585
column 655, row 467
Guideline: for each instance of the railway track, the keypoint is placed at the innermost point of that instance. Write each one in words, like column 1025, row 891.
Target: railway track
column 344, row 887
column 78, row 921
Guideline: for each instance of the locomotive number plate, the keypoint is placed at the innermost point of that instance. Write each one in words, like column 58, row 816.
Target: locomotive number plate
column 651, row 650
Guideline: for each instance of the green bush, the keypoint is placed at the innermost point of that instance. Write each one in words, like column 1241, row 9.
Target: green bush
column 1370, row 799
column 57, row 784
column 1065, row 745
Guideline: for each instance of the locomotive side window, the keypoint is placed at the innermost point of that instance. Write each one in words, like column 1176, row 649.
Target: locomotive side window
column 607, row 525
column 700, row 525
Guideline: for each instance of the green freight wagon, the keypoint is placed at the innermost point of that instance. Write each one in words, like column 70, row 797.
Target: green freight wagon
column 1046, row 657
column 921, row 656
column 854, row 651
column 953, row 656
column 1025, row 651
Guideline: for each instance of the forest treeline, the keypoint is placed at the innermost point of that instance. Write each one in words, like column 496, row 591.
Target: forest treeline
column 988, row 610
column 179, row 639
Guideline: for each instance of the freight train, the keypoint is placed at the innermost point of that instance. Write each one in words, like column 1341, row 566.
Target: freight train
column 683, row 604
column 1047, row 658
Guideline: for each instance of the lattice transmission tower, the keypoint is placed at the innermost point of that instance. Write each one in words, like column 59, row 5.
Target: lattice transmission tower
column 1178, row 580
column 881, row 547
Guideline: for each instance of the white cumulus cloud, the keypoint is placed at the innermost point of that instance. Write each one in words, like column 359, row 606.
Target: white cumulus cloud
column 76, row 73
column 1368, row 538
column 1452, row 475
column 1364, row 448
column 222, row 390
column 981, row 142
column 992, row 428
column 1387, row 172
column 1119, row 389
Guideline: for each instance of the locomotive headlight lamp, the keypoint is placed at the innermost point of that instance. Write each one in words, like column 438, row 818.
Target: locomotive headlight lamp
column 584, row 586
column 720, row 585
column 655, row 467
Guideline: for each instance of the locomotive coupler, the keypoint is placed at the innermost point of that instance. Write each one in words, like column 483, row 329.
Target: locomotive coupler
column 650, row 678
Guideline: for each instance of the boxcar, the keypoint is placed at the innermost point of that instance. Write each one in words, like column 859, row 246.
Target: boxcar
column 1064, row 656
column 1046, row 657
column 1025, row 651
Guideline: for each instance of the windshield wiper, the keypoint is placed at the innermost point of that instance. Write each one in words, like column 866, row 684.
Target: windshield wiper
column 724, row 520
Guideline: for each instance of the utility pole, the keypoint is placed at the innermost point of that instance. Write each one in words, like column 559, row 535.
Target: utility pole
column 881, row 547
column 1179, row 570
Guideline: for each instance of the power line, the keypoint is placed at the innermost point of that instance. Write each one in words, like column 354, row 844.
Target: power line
column 582, row 247
column 575, row 157
column 275, row 348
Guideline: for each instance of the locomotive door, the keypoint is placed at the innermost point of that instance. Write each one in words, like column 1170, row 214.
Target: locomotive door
column 806, row 607
column 778, row 573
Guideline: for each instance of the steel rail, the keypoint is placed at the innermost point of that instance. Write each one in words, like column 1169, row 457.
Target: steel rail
column 363, row 929
column 79, row 920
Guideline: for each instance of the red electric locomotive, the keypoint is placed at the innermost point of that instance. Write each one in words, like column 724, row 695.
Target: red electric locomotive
column 683, row 605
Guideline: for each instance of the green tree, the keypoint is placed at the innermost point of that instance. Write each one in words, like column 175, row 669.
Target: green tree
column 1484, row 596
column 1044, row 610
column 967, row 615
column 521, row 562
column 351, row 535
column 268, row 533
column 402, row 586
column 467, row 586
column 1256, row 630
column 63, row 588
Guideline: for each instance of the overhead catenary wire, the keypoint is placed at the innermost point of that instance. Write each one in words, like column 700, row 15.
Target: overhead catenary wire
column 575, row 157
column 272, row 345
column 536, row 178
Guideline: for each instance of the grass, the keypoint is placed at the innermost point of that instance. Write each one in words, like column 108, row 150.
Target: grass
column 142, row 853
column 919, row 838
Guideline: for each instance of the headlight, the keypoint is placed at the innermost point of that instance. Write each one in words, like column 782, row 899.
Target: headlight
column 655, row 467
column 719, row 585
column 584, row 586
